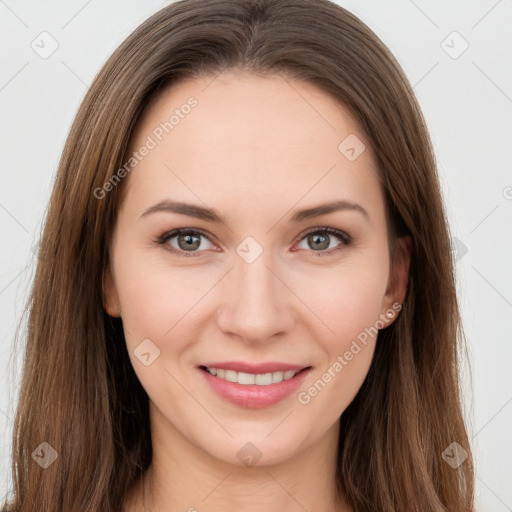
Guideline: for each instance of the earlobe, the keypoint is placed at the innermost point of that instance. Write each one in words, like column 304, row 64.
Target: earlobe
column 110, row 297
column 399, row 277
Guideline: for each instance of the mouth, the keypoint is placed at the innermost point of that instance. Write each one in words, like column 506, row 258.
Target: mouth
column 253, row 386
column 247, row 379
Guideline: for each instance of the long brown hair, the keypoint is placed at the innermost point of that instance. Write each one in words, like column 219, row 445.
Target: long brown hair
column 79, row 392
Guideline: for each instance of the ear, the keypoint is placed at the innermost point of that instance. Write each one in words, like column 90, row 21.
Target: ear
column 398, row 279
column 110, row 297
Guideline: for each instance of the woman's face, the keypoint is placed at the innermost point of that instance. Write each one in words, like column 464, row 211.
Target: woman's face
column 255, row 279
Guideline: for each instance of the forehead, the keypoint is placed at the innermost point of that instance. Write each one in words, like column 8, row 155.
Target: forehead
column 268, row 137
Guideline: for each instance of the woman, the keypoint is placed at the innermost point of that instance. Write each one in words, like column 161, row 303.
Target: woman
column 186, row 346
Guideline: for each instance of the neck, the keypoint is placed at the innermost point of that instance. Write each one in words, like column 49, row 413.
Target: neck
column 187, row 478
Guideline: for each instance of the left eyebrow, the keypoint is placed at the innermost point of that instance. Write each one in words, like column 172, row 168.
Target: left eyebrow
column 324, row 209
column 211, row 215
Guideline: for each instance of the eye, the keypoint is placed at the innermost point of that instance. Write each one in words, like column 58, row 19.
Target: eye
column 321, row 238
column 187, row 241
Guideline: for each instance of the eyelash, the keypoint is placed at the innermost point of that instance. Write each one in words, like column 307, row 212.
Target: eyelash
column 345, row 240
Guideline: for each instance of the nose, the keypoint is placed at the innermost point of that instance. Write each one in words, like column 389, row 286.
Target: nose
column 257, row 305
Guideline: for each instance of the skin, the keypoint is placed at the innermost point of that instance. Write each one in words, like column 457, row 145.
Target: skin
column 256, row 149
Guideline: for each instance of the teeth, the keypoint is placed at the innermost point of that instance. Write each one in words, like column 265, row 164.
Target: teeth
column 261, row 379
column 231, row 376
column 277, row 376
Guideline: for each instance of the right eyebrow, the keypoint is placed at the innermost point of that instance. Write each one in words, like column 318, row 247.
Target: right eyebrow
column 191, row 210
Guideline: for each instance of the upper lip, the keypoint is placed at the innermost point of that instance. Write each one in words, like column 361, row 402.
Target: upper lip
column 270, row 367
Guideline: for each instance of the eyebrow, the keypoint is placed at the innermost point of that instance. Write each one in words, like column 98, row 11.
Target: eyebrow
column 209, row 214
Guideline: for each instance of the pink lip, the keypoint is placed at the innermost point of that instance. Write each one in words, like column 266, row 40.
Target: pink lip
column 254, row 396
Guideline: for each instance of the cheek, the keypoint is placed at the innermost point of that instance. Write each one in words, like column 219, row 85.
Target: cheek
column 351, row 309
column 356, row 307
column 353, row 312
column 160, row 304
column 347, row 300
column 155, row 298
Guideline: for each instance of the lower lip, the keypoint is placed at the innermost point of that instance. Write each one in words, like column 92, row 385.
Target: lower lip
column 253, row 396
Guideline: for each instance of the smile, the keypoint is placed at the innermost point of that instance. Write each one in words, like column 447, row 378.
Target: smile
column 260, row 379
column 258, row 386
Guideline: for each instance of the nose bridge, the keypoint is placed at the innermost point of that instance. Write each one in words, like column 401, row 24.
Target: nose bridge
column 257, row 303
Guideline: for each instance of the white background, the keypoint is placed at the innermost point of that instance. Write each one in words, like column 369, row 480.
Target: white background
column 467, row 102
